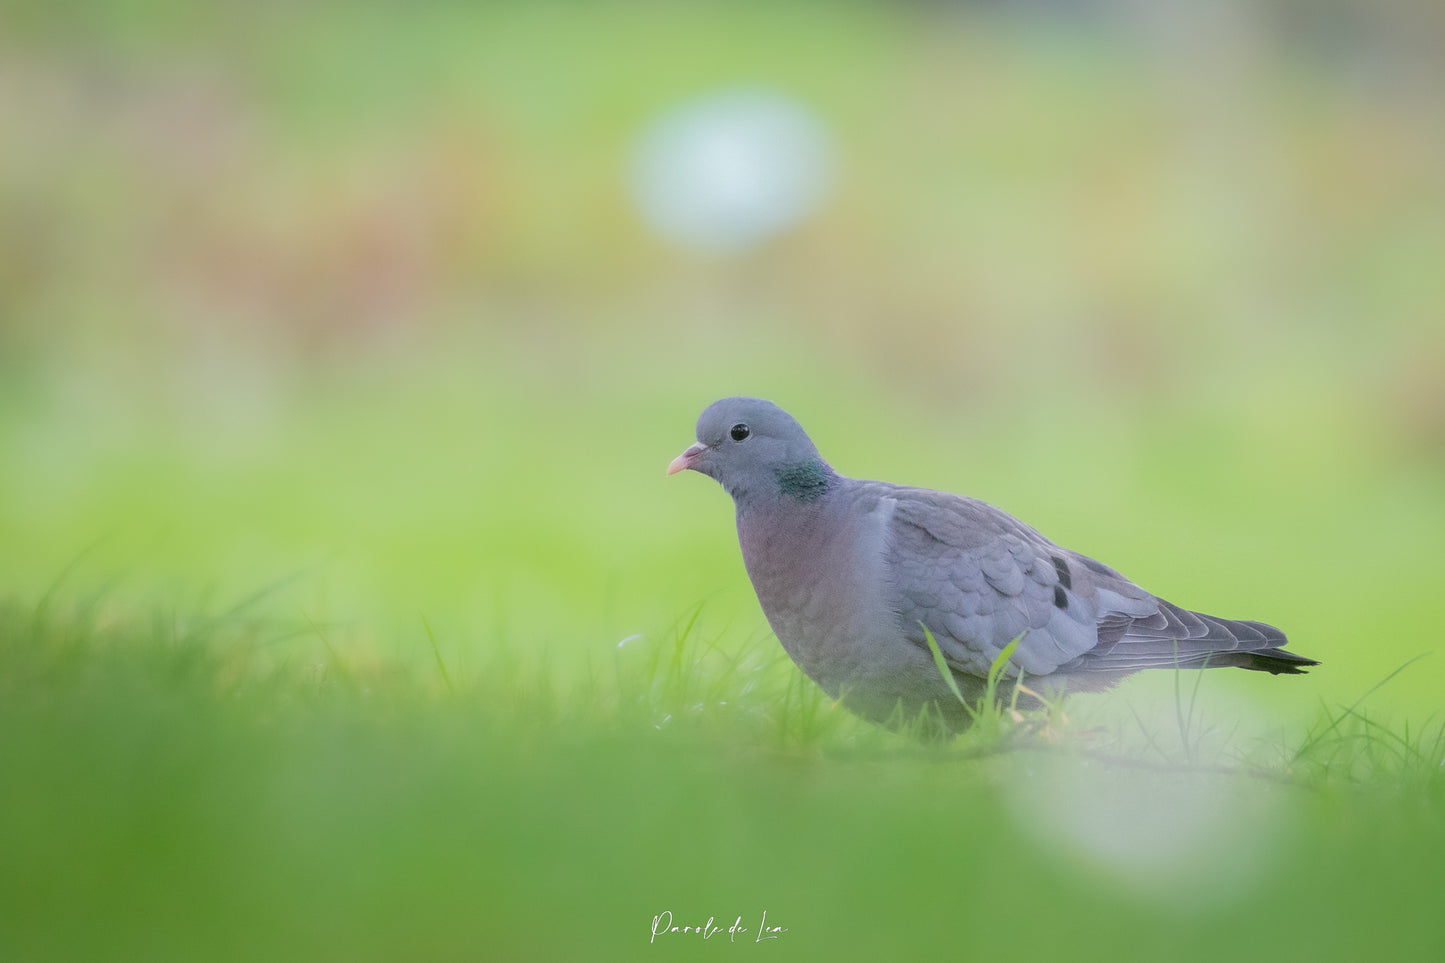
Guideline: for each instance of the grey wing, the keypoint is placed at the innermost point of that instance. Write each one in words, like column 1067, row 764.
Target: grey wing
column 1173, row 636
column 978, row 578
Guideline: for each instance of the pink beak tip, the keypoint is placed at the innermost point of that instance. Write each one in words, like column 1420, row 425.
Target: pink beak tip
column 685, row 460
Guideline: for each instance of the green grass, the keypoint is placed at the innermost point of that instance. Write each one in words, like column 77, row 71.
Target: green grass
column 413, row 671
column 194, row 785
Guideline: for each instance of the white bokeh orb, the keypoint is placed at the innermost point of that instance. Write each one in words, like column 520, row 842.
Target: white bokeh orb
column 726, row 172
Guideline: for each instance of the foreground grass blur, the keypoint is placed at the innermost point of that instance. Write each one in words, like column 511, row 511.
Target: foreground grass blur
column 189, row 793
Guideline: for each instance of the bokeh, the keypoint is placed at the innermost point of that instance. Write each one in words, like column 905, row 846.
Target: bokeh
column 377, row 294
column 392, row 315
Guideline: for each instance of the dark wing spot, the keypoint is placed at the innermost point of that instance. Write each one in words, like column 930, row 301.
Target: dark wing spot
column 1062, row 568
column 1060, row 599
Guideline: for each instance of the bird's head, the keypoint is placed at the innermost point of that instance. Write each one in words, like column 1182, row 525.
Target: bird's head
column 753, row 447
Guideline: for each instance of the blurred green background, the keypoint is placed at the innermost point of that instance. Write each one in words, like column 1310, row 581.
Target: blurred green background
column 335, row 344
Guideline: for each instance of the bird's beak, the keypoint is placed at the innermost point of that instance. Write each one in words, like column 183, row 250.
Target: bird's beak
column 686, row 459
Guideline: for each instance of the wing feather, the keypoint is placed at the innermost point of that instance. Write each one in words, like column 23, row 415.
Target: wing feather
column 978, row 578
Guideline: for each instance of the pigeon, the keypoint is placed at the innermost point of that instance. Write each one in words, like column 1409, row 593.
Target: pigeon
column 855, row 577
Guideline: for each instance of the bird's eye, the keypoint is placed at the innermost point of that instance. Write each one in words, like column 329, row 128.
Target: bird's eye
column 740, row 431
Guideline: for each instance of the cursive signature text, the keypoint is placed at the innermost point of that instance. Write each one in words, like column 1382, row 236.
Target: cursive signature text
column 663, row 924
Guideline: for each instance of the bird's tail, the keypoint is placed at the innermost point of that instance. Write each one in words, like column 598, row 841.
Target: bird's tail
column 1172, row 637
column 1273, row 661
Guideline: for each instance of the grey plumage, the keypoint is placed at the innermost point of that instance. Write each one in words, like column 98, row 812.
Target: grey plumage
column 849, row 572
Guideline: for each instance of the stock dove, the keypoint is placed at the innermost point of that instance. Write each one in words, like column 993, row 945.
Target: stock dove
column 849, row 572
